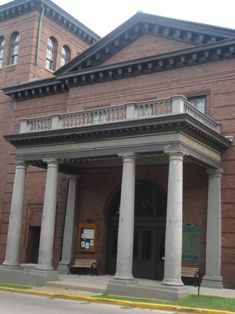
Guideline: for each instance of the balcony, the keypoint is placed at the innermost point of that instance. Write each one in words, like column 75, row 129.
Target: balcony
column 126, row 112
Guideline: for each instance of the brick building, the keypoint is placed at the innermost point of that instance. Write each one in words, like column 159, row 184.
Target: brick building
column 124, row 154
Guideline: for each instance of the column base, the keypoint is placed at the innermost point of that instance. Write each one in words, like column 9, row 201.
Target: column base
column 145, row 289
column 62, row 268
column 26, row 275
column 212, row 282
column 172, row 282
column 10, row 264
column 44, row 267
column 123, row 277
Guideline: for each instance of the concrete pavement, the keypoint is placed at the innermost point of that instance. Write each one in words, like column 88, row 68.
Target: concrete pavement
column 89, row 288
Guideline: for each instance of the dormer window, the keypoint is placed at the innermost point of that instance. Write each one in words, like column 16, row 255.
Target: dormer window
column 199, row 102
column 65, row 55
column 51, row 53
column 14, row 48
column 2, row 45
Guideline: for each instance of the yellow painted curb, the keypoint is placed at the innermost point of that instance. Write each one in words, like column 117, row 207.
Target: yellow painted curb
column 96, row 299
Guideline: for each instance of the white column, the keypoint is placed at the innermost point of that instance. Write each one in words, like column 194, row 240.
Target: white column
column 212, row 276
column 173, row 242
column 126, row 221
column 48, row 218
column 68, row 226
column 16, row 213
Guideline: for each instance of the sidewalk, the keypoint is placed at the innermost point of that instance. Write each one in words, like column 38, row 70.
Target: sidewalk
column 90, row 289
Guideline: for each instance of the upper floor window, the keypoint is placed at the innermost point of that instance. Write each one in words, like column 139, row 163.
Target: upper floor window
column 65, row 55
column 199, row 102
column 51, row 53
column 14, row 48
column 2, row 45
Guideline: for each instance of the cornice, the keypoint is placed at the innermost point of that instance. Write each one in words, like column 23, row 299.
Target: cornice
column 17, row 8
column 188, row 57
column 36, row 88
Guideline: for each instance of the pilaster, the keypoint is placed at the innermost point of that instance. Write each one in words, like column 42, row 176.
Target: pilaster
column 213, row 276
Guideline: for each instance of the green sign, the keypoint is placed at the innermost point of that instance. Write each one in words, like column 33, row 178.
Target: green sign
column 191, row 242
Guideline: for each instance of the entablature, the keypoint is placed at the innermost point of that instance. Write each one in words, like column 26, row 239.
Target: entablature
column 144, row 127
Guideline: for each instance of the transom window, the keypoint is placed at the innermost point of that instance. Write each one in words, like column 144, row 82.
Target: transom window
column 2, row 45
column 51, row 53
column 14, row 48
column 199, row 102
column 65, row 55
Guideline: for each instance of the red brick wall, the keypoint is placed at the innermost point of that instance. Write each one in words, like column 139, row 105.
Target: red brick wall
column 27, row 25
column 63, row 37
column 145, row 46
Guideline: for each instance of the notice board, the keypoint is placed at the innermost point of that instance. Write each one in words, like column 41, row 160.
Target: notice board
column 87, row 237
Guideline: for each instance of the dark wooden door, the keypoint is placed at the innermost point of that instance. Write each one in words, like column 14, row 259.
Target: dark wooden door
column 33, row 244
column 149, row 232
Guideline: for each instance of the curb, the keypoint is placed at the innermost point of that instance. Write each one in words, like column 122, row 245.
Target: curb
column 95, row 299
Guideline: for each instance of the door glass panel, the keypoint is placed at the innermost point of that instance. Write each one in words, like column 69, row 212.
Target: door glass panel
column 147, row 244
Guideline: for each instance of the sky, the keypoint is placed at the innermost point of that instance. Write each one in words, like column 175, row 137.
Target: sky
column 102, row 16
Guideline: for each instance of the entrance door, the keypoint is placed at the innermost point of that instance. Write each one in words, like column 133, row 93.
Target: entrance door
column 149, row 234
column 33, row 244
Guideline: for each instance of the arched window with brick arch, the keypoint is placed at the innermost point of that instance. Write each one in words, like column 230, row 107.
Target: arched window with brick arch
column 2, row 46
column 51, row 53
column 14, row 48
column 65, row 55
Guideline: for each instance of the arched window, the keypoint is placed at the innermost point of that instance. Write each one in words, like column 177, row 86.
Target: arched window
column 2, row 44
column 51, row 53
column 65, row 55
column 14, row 48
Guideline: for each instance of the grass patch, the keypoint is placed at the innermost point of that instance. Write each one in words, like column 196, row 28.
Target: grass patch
column 13, row 286
column 208, row 302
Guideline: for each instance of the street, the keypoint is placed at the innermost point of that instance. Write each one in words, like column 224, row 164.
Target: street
column 13, row 303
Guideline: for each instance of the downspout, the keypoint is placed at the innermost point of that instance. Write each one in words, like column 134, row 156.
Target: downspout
column 39, row 35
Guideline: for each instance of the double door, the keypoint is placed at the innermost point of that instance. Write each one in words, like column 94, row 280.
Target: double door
column 148, row 252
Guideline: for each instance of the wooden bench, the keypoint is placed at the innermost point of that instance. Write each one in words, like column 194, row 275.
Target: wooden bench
column 194, row 273
column 83, row 263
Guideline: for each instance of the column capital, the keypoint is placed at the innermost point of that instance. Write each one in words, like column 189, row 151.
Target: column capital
column 72, row 176
column 51, row 161
column 20, row 164
column 214, row 172
column 174, row 151
column 126, row 156
column 176, row 155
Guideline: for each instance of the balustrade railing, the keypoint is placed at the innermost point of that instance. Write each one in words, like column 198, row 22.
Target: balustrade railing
column 130, row 111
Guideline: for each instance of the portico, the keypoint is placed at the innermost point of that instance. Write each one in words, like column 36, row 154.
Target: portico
column 169, row 139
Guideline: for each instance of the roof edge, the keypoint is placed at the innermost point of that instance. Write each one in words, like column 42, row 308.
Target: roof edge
column 53, row 11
